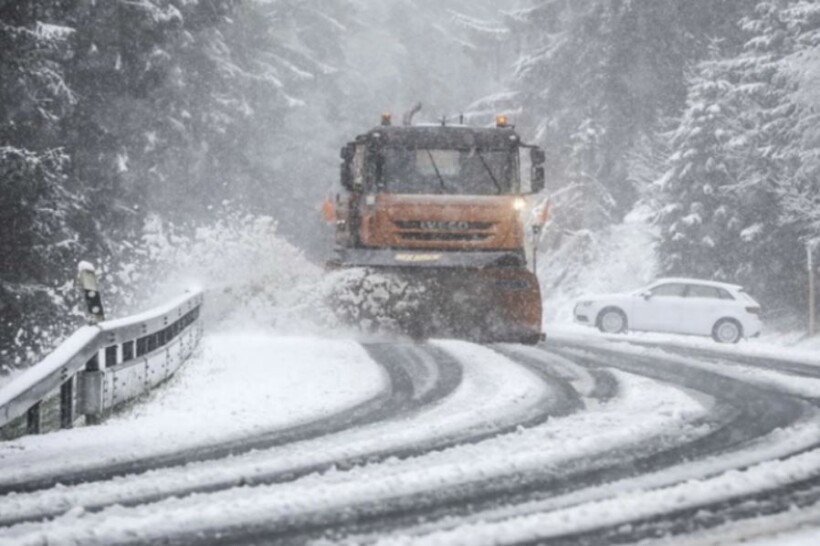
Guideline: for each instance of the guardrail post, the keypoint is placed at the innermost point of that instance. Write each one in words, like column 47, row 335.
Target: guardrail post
column 67, row 404
column 87, row 279
column 92, row 384
column 33, row 419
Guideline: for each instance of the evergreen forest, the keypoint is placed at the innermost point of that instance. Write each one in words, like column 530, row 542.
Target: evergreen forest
column 119, row 116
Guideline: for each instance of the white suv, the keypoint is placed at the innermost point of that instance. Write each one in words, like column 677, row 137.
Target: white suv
column 680, row 306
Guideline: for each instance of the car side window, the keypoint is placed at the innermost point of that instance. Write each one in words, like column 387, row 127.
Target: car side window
column 669, row 290
column 700, row 291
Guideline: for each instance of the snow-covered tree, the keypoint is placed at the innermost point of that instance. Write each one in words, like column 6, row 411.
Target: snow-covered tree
column 697, row 212
column 619, row 65
column 740, row 150
column 40, row 212
column 800, row 193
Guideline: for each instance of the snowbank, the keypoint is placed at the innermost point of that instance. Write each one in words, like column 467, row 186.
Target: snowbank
column 238, row 385
column 616, row 259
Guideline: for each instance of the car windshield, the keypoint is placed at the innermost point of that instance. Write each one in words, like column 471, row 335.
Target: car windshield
column 442, row 171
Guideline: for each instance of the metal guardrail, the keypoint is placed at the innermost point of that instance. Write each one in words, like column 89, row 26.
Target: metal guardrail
column 101, row 367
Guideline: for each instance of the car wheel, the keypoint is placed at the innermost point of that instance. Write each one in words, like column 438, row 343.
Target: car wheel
column 727, row 331
column 612, row 321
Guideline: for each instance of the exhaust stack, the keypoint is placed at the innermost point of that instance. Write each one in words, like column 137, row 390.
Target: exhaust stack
column 407, row 119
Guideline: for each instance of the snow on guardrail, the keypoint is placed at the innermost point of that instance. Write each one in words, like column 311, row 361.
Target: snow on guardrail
column 101, row 367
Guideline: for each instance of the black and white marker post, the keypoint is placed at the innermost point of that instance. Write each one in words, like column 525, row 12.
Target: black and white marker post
column 87, row 280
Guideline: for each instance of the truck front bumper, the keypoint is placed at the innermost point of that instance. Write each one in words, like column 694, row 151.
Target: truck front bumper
column 368, row 257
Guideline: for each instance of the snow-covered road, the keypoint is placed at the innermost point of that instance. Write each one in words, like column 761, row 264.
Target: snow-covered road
column 579, row 440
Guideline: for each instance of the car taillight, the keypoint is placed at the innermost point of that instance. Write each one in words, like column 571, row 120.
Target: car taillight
column 753, row 310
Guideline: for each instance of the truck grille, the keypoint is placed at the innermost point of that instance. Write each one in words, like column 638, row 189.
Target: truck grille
column 443, row 226
column 450, row 231
column 411, row 236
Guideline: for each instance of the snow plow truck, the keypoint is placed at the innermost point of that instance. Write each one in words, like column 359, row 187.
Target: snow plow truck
column 439, row 210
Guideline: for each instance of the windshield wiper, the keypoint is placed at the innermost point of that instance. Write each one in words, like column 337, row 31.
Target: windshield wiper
column 489, row 171
column 435, row 168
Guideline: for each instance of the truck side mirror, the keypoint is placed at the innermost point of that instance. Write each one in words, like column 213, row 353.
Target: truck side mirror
column 348, row 152
column 346, row 175
column 537, row 158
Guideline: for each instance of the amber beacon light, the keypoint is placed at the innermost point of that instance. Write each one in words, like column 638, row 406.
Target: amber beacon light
column 387, row 118
column 501, row 121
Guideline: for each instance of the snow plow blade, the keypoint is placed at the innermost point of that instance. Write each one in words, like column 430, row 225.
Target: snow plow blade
column 493, row 304
column 389, row 258
column 484, row 304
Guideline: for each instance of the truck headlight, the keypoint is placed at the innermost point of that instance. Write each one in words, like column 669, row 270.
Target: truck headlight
column 519, row 204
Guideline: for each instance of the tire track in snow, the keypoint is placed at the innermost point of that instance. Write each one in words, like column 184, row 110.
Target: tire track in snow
column 759, row 411
column 386, row 515
column 790, row 367
column 803, row 492
column 795, row 372
column 739, row 417
column 737, row 404
column 793, row 496
column 399, row 397
column 419, row 376
column 762, row 412
column 596, row 383
column 532, row 409
column 434, row 374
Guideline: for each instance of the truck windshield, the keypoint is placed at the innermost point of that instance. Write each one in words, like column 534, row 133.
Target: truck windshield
column 437, row 171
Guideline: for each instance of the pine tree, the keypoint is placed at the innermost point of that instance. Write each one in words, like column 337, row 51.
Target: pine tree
column 800, row 192
column 696, row 217
column 40, row 211
column 752, row 238
column 619, row 64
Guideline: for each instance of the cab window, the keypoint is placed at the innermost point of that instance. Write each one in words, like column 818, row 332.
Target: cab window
column 448, row 171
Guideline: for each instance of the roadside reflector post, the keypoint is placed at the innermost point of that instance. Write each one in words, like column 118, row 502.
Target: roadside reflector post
column 33, row 419
column 87, row 280
column 67, row 404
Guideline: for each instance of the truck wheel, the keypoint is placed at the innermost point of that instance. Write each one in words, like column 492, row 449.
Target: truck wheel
column 727, row 331
column 612, row 321
column 531, row 339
